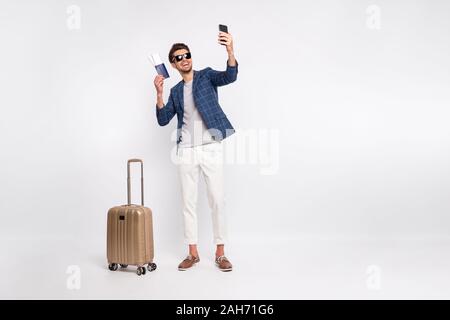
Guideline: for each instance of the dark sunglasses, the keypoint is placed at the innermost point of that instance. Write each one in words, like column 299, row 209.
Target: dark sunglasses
column 180, row 57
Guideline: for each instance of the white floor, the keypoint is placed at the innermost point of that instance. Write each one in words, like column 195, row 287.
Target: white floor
column 307, row 267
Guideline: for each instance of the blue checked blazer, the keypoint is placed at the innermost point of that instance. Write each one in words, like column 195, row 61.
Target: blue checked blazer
column 204, row 89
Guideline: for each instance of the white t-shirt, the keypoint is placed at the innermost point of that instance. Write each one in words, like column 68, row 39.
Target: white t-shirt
column 193, row 131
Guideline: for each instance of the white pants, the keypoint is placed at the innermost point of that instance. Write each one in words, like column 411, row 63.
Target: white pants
column 207, row 159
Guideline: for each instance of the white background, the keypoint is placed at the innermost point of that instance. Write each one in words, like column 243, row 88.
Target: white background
column 363, row 121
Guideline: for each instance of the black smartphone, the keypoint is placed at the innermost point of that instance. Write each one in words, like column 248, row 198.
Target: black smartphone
column 223, row 28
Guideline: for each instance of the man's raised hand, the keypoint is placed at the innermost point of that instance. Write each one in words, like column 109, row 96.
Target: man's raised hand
column 159, row 83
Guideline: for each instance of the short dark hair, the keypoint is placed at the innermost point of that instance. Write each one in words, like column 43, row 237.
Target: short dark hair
column 175, row 47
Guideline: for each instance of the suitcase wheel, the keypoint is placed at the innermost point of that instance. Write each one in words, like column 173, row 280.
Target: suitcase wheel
column 151, row 267
column 113, row 266
column 140, row 271
column 123, row 265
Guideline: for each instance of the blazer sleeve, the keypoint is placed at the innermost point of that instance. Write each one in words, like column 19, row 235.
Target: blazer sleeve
column 167, row 112
column 222, row 78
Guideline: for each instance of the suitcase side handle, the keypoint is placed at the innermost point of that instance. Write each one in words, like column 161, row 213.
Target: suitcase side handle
column 129, row 180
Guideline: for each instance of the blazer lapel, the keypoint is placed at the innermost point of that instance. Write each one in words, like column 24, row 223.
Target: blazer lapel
column 194, row 87
column 180, row 96
column 194, row 82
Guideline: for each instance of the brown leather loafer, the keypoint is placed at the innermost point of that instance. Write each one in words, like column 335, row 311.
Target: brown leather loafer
column 224, row 264
column 187, row 263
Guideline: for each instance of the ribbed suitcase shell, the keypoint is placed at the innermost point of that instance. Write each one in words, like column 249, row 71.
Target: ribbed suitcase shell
column 130, row 235
column 129, row 239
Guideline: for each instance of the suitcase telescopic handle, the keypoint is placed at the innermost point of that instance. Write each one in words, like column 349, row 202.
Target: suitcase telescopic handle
column 129, row 180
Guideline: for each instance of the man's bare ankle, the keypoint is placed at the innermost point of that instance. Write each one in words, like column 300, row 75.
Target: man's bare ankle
column 220, row 250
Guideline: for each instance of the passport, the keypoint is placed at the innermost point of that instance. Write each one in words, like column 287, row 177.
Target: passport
column 159, row 65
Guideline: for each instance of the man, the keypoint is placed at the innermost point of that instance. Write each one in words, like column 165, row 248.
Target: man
column 201, row 127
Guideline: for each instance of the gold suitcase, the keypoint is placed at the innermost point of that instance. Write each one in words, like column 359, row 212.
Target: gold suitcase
column 130, row 232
